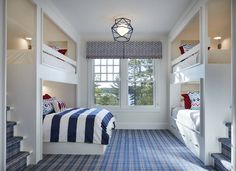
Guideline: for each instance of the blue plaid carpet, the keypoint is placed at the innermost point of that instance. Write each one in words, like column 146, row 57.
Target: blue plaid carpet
column 130, row 150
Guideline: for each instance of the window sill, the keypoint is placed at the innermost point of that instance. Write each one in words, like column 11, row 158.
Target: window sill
column 138, row 109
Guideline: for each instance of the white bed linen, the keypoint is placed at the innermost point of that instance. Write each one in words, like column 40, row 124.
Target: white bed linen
column 187, row 117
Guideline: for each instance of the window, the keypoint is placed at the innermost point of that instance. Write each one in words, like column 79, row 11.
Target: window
column 133, row 85
column 140, row 82
column 106, row 81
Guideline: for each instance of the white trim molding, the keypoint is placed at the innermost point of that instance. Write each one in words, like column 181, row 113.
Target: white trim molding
column 123, row 106
column 233, row 30
column 3, row 84
column 142, row 125
column 73, row 148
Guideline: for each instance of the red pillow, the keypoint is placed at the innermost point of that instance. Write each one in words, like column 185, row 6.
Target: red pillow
column 62, row 51
column 187, row 101
column 181, row 48
column 46, row 96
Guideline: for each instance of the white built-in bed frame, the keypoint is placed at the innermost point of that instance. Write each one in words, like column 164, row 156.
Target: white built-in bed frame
column 53, row 58
column 189, row 59
column 73, row 148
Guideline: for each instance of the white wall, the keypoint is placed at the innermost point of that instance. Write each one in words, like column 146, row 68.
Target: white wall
column 63, row 91
column 130, row 119
column 82, row 99
column 20, row 22
column 2, row 87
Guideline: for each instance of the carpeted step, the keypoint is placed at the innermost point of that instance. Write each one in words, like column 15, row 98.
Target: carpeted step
column 17, row 162
column 222, row 163
column 225, row 141
column 11, row 123
column 13, row 146
column 225, row 146
column 10, row 129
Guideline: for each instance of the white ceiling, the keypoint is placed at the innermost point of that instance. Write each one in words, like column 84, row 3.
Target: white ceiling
column 97, row 16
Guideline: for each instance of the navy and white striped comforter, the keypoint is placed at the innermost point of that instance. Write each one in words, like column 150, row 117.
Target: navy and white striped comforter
column 79, row 125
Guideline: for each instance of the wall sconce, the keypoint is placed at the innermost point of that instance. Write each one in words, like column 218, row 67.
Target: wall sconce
column 218, row 38
column 29, row 39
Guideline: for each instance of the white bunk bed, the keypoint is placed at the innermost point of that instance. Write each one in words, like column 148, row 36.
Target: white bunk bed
column 55, row 59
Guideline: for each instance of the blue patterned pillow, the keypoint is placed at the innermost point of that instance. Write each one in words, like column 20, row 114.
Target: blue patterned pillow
column 48, row 106
column 195, row 100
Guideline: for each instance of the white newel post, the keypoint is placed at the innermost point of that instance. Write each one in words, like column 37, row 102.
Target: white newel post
column 233, row 155
column 2, row 85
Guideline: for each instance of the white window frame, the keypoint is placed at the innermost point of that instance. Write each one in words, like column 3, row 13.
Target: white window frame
column 92, row 83
column 124, row 89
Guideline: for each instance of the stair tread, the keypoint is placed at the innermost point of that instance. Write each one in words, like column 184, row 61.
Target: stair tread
column 11, row 123
column 228, row 124
column 225, row 141
column 16, row 158
column 13, row 140
column 224, row 161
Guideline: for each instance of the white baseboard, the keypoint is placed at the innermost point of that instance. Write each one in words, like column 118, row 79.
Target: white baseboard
column 142, row 125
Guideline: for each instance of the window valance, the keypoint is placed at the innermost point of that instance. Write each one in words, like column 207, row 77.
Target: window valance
column 98, row 50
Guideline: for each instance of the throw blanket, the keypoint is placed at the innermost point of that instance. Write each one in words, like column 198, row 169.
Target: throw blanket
column 79, row 125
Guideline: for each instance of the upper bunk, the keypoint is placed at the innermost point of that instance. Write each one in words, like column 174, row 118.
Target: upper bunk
column 185, row 48
column 189, row 62
column 52, row 54
column 59, row 58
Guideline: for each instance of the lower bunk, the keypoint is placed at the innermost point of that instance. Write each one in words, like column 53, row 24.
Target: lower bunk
column 85, row 131
column 190, row 137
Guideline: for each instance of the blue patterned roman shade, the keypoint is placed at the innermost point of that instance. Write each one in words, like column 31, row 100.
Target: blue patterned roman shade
column 98, row 50
column 143, row 50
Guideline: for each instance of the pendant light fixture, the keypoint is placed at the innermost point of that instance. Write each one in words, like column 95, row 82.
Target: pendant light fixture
column 122, row 30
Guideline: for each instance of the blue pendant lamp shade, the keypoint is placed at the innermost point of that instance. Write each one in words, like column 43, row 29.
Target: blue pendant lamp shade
column 122, row 30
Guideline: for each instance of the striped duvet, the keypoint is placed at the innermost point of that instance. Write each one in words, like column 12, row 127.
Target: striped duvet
column 79, row 125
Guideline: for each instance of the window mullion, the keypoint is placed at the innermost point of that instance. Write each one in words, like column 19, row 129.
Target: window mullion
column 90, row 100
column 124, row 83
column 156, row 81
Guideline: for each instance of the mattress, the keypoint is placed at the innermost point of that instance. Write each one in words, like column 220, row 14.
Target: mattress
column 187, row 117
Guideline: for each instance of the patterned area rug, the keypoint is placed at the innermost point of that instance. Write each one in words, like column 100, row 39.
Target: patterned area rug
column 130, row 150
